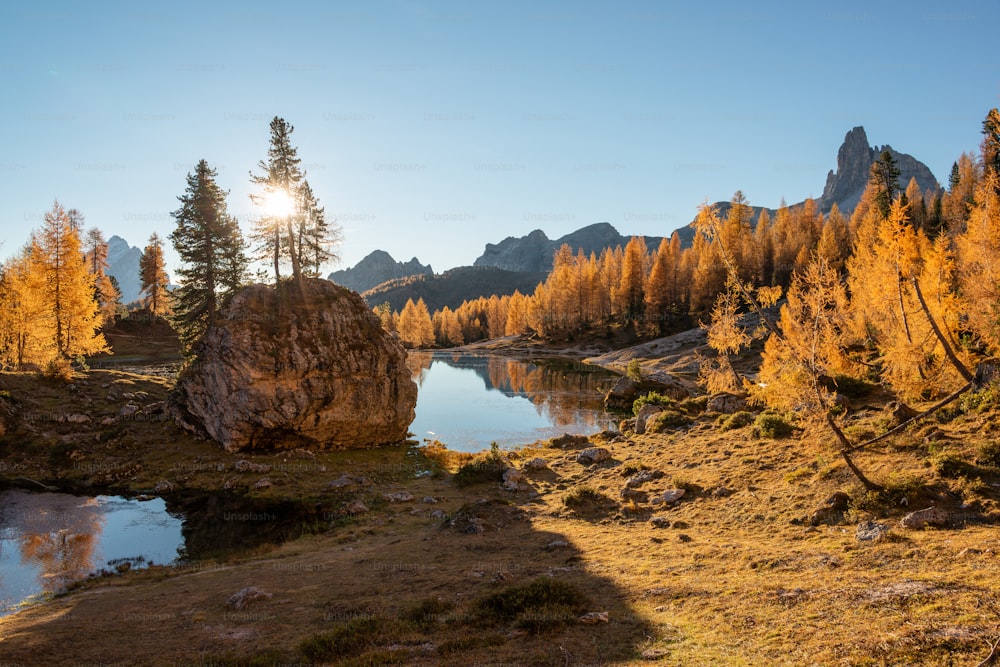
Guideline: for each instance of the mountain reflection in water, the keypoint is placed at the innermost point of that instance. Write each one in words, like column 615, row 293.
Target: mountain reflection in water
column 469, row 401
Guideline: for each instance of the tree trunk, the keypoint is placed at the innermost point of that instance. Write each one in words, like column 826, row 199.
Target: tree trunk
column 949, row 352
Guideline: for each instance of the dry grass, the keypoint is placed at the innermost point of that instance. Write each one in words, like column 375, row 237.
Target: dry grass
column 735, row 575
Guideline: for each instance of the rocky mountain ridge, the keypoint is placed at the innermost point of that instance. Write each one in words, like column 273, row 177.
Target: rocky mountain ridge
column 376, row 268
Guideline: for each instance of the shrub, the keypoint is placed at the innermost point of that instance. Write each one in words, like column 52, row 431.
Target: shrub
column 584, row 495
column 735, row 421
column 634, row 371
column 772, row 425
column 652, row 398
column 429, row 611
column 977, row 401
column 988, row 454
column 59, row 369
column 483, row 468
column 667, row 420
column 349, row 638
column 536, row 606
column 631, row 468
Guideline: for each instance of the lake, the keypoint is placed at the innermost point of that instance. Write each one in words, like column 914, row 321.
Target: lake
column 49, row 540
column 468, row 401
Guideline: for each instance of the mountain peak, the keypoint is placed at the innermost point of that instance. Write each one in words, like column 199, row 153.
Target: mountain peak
column 854, row 160
column 377, row 267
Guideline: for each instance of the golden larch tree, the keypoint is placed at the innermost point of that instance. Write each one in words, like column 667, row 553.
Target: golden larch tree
column 69, row 290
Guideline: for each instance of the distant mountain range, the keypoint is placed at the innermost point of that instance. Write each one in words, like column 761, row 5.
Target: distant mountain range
column 521, row 262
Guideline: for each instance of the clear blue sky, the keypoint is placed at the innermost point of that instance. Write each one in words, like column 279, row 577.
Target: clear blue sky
column 431, row 128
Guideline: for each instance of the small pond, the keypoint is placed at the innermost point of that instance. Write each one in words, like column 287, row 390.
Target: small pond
column 49, row 540
column 468, row 401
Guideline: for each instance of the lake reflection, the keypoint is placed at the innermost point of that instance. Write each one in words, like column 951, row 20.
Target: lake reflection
column 49, row 540
column 468, row 401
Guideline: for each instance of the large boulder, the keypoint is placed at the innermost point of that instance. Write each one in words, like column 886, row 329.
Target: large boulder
column 309, row 366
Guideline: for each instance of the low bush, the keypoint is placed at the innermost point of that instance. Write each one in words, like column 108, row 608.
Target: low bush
column 666, row 420
column 539, row 605
column 483, row 468
column 773, row 426
column 652, row 398
column 735, row 421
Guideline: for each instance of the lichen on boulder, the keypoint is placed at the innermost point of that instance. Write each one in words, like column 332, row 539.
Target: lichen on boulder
column 303, row 365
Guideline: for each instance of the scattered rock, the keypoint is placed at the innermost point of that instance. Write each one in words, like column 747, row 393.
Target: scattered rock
column 593, row 455
column 870, row 531
column 680, row 525
column 721, row 492
column 537, row 463
column 307, row 366
column 556, row 544
column 594, row 617
column 248, row 466
column 398, row 497
column 163, row 486
column 512, row 480
column 245, row 596
column 263, row 484
column 668, row 497
column 567, row 440
column 439, row 514
column 637, row 495
column 345, row 481
column 355, row 507
column 931, row 516
column 660, row 522
column 655, row 653
column 76, row 419
column 726, row 403
column 832, row 510
column 128, row 410
column 642, row 477
column 684, row 537
column 429, row 500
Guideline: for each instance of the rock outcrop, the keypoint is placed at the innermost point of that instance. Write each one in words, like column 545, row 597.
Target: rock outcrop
column 854, row 160
column 311, row 368
column 377, row 268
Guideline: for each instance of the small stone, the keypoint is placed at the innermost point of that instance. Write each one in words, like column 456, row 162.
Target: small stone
column 683, row 537
column 429, row 500
column 726, row 404
column 398, row 497
column 645, row 413
column 556, row 544
column 931, row 516
column 245, row 596
column 128, row 410
column 669, row 496
column 343, row 482
column 594, row 617
column 870, row 531
column 660, row 522
column 163, row 486
column 642, row 477
column 512, row 479
column 77, row 419
column 263, row 484
column 593, row 455
column 355, row 507
column 537, row 463
column 721, row 492
column 247, row 466
column 655, row 653
column 439, row 514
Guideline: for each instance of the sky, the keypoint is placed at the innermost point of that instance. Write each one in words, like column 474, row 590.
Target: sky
column 429, row 129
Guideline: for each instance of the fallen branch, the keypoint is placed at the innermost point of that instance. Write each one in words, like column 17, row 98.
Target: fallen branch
column 992, row 657
column 926, row 413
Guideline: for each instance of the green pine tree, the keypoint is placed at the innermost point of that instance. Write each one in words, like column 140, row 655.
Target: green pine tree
column 212, row 252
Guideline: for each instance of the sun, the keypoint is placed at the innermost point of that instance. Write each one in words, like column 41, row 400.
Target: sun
column 278, row 203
